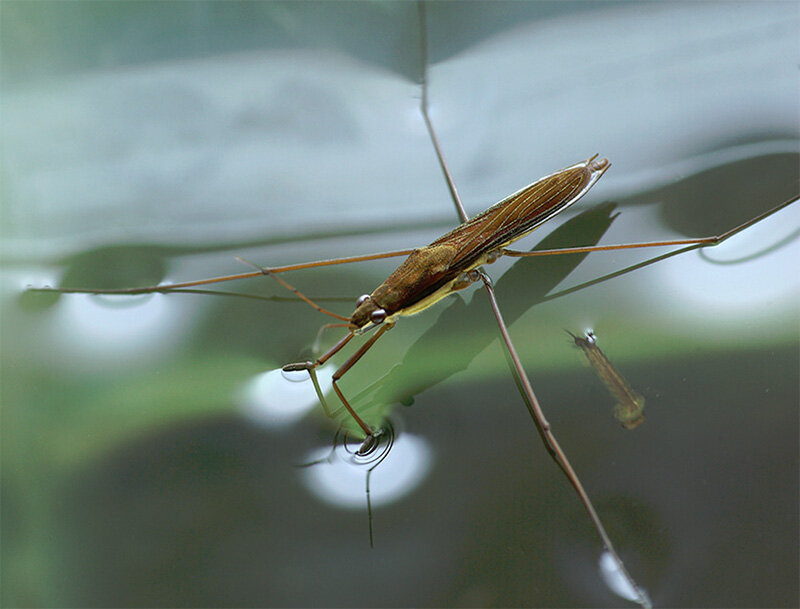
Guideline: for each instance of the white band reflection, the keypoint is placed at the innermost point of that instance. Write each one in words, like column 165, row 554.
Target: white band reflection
column 342, row 483
column 618, row 583
column 732, row 283
column 278, row 399
column 102, row 328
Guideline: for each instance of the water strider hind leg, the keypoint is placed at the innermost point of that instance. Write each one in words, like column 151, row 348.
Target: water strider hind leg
column 693, row 243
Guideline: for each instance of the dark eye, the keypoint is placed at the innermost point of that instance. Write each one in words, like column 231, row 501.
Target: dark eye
column 361, row 299
column 377, row 316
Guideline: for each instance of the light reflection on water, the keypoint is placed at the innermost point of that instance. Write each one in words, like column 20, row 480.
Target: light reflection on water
column 341, row 480
column 95, row 327
column 278, row 399
column 717, row 273
column 616, row 580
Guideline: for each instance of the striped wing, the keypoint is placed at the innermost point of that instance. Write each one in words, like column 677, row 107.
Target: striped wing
column 515, row 216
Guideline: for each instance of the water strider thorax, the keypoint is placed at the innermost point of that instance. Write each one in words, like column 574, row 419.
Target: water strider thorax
column 425, row 273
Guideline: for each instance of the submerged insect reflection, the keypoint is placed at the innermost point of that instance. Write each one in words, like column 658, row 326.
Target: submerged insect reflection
column 629, row 409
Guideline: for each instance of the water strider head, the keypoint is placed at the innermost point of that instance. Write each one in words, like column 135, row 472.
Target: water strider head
column 367, row 314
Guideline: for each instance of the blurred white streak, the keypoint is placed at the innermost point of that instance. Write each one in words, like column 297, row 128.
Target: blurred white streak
column 738, row 281
column 277, row 399
column 617, row 582
column 343, row 483
column 105, row 328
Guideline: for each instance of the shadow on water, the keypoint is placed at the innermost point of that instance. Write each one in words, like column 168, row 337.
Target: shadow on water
column 711, row 200
column 539, row 275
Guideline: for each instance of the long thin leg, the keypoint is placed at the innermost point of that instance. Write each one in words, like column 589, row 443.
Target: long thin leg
column 200, row 282
column 269, row 273
column 697, row 242
column 423, row 26
column 552, row 445
column 311, row 367
column 534, row 408
column 371, row 434
column 315, row 347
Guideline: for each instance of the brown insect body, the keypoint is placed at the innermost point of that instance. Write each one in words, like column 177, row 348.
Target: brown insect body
column 432, row 272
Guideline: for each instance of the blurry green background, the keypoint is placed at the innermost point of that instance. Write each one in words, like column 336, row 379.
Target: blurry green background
column 149, row 141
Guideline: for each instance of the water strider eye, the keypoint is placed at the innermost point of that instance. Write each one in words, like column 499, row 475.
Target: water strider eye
column 362, row 299
column 377, row 316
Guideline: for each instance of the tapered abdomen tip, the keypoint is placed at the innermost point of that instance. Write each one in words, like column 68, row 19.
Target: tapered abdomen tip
column 600, row 164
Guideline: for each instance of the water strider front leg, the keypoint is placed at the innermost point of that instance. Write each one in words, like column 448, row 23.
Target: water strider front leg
column 311, row 368
column 371, row 434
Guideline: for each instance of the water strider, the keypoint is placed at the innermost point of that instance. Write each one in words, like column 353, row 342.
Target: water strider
column 451, row 263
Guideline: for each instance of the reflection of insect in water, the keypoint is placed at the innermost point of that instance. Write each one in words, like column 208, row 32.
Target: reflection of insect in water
column 451, row 263
column 629, row 409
